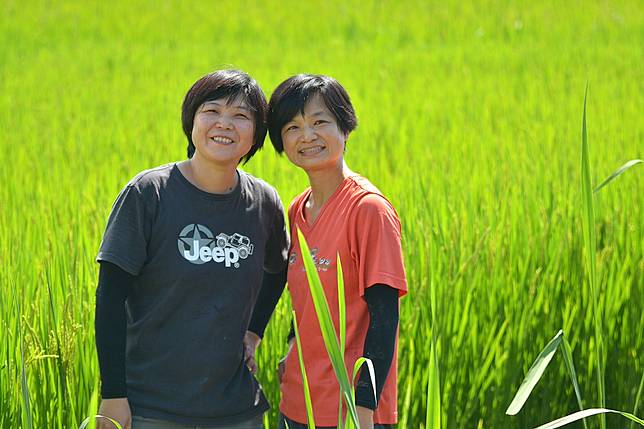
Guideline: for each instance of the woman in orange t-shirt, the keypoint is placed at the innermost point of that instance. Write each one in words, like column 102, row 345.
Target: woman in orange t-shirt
column 310, row 118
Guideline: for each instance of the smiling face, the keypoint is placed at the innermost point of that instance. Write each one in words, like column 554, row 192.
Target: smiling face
column 222, row 131
column 312, row 139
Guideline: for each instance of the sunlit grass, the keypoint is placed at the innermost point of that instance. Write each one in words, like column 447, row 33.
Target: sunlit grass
column 469, row 124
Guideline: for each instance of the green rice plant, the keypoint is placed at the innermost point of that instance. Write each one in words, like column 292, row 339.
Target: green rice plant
column 90, row 422
column 433, row 412
column 617, row 173
column 333, row 346
column 305, row 379
column 591, row 257
column 538, row 368
column 27, row 415
column 587, row 413
column 544, row 358
column 637, row 399
column 468, row 141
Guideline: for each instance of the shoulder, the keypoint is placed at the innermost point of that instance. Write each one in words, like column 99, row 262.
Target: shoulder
column 148, row 185
column 256, row 184
column 366, row 196
column 260, row 190
column 153, row 178
column 369, row 202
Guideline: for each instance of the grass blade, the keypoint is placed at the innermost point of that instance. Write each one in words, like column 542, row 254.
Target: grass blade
column 90, row 419
column 372, row 373
column 590, row 245
column 573, row 374
column 637, row 398
column 23, row 378
column 305, row 380
column 342, row 320
column 534, row 375
column 342, row 309
column 617, row 173
column 587, row 413
column 433, row 415
column 327, row 328
column 433, row 410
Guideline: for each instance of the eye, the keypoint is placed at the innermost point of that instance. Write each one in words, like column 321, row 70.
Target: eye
column 241, row 116
column 320, row 122
column 290, row 128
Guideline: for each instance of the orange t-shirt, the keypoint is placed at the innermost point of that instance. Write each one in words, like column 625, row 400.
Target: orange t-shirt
column 362, row 226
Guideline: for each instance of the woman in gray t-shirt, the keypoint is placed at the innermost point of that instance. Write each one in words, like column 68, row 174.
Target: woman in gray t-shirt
column 184, row 254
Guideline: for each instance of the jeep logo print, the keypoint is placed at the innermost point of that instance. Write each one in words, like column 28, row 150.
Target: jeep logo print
column 198, row 245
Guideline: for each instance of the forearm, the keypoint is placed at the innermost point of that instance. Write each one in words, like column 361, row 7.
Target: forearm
column 380, row 342
column 269, row 295
column 114, row 285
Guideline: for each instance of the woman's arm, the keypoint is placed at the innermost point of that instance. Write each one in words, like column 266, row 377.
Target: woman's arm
column 382, row 302
column 114, row 285
column 269, row 294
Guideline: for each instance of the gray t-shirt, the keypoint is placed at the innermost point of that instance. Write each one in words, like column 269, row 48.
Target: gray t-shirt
column 199, row 260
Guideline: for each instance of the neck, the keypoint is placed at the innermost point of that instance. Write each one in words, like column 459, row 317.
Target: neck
column 209, row 177
column 325, row 182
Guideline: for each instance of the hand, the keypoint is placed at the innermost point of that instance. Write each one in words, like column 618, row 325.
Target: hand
column 365, row 417
column 281, row 366
column 117, row 409
column 251, row 342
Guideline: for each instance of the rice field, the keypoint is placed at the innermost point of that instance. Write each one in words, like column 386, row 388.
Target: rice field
column 469, row 121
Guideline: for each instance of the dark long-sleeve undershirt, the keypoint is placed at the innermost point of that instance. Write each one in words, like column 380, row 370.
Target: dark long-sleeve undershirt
column 382, row 303
column 114, row 286
column 269, row 295
column 379, row 345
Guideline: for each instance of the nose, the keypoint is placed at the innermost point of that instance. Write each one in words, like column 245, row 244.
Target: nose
column 223, row 122
column 308, row 134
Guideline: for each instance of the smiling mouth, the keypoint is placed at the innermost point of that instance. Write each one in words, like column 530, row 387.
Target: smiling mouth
column 313, row 150
column 222, row 140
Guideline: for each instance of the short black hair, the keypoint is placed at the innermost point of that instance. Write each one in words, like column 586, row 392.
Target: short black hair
column 291, row 96
column 232, row 85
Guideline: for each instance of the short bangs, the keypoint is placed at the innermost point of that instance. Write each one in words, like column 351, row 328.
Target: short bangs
column 290, row 97
column 232, row 85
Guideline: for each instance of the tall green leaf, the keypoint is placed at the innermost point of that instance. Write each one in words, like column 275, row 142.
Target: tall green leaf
column 637, row 398
column 326, row 327
column 587, row 413
column 342, row 320
column 372, row 373
column 570, row 364
column 305, row 379
column 23, row 378
column 433, row 415
column 534, row 375
column 617, row 172
column 590, row 245
column 433, row 412
column 92, row 419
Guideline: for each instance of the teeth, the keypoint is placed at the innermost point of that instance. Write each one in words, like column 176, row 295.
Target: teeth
column 311, row 150
column 224, row 140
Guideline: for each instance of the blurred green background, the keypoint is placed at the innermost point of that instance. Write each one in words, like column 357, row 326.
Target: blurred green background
column 469, row 121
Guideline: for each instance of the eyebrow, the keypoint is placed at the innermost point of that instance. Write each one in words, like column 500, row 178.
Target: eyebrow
column 236, row 106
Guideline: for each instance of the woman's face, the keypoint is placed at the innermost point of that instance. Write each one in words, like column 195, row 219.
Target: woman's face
column 222, row 131
column 313, row 141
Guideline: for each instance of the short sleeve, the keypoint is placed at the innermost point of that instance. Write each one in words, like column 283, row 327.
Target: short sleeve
column 376, row 244
column 277, row 244
column 127, row 232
